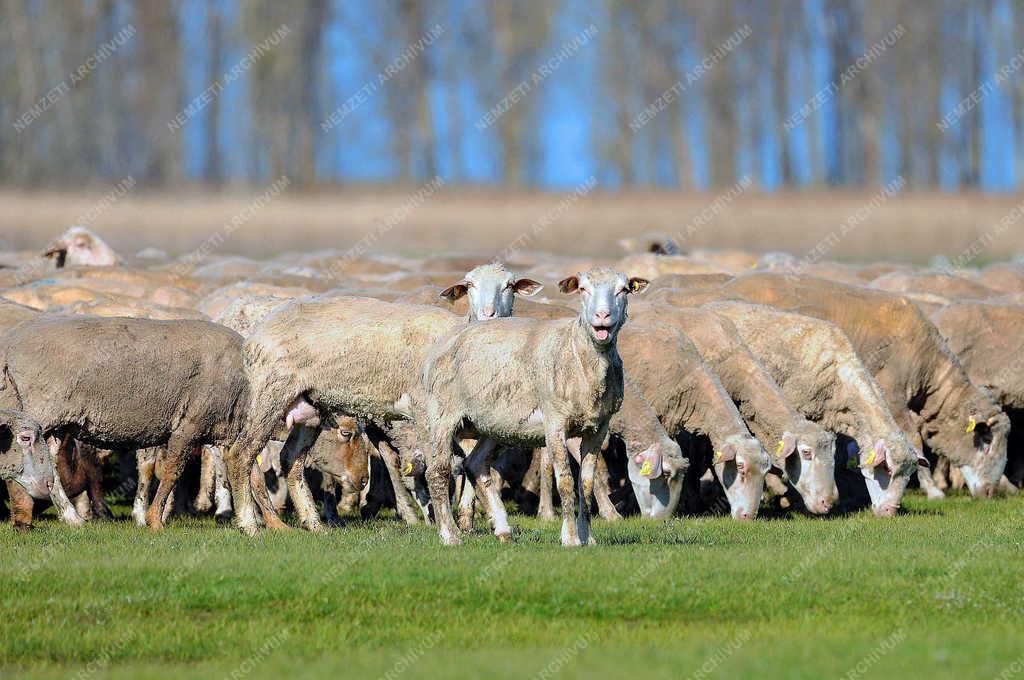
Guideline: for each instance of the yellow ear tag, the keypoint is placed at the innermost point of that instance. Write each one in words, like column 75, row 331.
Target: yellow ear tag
column 778, row 449
column 971, row 424
column 871, row 459
column 646, row 469
column 408, row 469
column 718, row 457
column 259, row 459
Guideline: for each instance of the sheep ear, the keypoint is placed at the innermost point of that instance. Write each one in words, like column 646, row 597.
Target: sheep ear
column 569, row 284
column 453, row 293
column 637, row 285
column 786, row 446
column 726, row 453
column 263, row 461
column 878, row 454
column 527, row 287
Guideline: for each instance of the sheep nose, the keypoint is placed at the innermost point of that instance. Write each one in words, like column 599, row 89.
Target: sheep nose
column 988, row 491
column 824, row 506
column 602, row 318
column 488, row 312
column 745, row 515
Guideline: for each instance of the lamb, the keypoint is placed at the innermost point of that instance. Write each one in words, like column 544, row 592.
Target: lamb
column 928, row 391
column 129, row 384
column 799, row 446
column 690, row 402
column 527, row 382
column 819, row 373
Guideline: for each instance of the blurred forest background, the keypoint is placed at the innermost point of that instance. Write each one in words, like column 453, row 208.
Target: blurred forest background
column 426, row 117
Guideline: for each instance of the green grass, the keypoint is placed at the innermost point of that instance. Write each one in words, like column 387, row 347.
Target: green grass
column 936, row 593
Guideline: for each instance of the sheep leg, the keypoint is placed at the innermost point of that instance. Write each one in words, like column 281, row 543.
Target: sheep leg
column 22, row 505
column 221, row 492
column 328, row 487
column 293, row 464
column 555, row 442
column 94, row 477
column 590, row 451
column 261, row 495
column 178, row 450
column 1007, row 486
column 603, row 492
column 546, row 508
column 83, row 506
column 165, row 515
column 145, row 461
column 422, row 495
column 404, row 503
column 467, row 500
column 924, row 478
column 439, row 476
column 58, row 496
column 207, row 475
column 941, row 473
column 478, row 466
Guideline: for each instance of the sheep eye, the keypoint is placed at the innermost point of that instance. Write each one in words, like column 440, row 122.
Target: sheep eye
column 346, row 434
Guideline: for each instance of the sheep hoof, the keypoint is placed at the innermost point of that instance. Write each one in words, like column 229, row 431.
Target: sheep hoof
column 450, row 538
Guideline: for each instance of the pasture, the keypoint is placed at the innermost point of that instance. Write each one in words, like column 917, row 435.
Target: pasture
column 936, row 592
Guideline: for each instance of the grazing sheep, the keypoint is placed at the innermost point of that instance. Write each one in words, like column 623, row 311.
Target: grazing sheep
column 928, row 391
column 24, row 461
column 529, row 382
column 802, row 451
column 689, row 400
column 821, row 375
column 81, row 475
column 79, row 246
column 988, row 340
column 126, row 384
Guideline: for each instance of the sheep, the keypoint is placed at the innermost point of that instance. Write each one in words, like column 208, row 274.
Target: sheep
column 935, row 283
column 81, row 476
column 327, row 354
column 24, row 462
column 797, row 445
column 689, row 400
column 80, row 246
column 928, row 391
column 530, row 382
column 126, row 384
column 820, row 373
column 371, row 374
column 987, row 340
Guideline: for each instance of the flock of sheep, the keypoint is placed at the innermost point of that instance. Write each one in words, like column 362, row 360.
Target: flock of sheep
column 445, row 386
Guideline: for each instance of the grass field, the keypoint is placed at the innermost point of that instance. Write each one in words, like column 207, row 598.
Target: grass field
column 937, row 592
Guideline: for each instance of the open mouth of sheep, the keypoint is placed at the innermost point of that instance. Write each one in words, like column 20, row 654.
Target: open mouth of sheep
column 602, row 332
